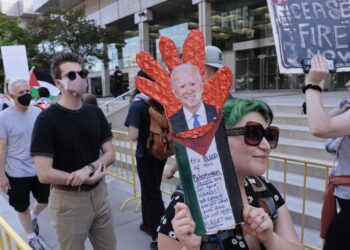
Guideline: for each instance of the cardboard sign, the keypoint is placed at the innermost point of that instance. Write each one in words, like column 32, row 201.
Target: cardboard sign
column 302, row 28
column 208, row 179
column 15, row 62
column 202, row 152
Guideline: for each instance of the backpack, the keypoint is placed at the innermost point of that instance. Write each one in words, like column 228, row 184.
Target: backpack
column 160, row 139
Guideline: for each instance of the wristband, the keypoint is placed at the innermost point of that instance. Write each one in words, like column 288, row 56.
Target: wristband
column 311, row 86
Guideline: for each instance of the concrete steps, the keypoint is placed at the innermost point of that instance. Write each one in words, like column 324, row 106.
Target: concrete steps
column 294, row 131
column 303, row 148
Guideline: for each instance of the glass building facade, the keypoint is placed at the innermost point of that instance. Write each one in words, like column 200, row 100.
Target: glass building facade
column 240, row 28
column 173, row 24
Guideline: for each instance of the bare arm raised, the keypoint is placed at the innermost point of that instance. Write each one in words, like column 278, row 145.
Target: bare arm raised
column 320, row 123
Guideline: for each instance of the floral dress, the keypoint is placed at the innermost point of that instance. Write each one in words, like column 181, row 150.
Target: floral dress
column 260, row 193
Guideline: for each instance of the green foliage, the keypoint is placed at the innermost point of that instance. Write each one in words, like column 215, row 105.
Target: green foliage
column 11, row 33
column 57, row 30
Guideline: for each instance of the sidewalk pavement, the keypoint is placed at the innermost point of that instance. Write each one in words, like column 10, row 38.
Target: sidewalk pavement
column 126, row 223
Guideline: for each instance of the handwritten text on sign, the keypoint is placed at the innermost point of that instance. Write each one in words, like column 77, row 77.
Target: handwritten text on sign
column 303, row 28
column 211, row 191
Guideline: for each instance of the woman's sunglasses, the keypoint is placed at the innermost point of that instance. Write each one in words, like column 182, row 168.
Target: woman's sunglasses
column 254, row 133
column 73, row 74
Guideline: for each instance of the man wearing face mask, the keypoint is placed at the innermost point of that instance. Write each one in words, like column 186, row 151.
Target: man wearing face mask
column 72, row 146
column 18, row 176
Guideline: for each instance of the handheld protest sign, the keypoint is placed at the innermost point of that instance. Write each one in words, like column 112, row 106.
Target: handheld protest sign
column 15, row 62
column 206, row 168
column 302, row 28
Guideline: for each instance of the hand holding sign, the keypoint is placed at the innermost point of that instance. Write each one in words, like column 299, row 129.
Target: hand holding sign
column 184, row 227
column 318, row 71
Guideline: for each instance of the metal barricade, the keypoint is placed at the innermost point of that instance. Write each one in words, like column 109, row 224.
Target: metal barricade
column 124, row 167
column 307, row 167
column 10, row 239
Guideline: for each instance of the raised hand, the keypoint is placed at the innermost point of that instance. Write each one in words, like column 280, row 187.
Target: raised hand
column 319, row 70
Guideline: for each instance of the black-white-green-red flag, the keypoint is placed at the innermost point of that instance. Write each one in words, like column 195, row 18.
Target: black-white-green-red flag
column 41, row 79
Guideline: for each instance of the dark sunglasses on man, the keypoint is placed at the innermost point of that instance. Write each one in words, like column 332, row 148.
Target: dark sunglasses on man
column 73, row 74
column 254, row 133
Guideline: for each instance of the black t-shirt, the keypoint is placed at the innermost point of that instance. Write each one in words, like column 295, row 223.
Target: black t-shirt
column 73, row 138
column 139, row 117
column 235, row 240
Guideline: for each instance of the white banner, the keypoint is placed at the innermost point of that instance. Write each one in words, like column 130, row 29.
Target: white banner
column 15, row 62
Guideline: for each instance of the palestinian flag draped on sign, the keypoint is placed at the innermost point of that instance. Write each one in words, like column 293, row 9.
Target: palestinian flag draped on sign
column 41, row 79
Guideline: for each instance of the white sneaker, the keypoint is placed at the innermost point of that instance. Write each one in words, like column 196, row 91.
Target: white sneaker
column 36, row 244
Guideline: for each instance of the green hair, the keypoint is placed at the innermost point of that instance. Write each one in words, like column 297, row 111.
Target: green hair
column 235, row 109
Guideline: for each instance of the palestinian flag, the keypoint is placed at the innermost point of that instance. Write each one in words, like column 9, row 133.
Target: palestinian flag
column 209, row 181
column 41, row 79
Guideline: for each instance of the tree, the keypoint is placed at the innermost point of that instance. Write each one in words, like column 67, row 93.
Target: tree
column 56, row 30
column 11, row 33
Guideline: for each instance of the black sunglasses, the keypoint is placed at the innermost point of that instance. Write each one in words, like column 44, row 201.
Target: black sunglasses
column 73, row 74
column 254, row 133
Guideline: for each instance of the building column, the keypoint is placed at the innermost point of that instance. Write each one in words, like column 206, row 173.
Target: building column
column 234, row 70
column 105, row 79
column 142, row 18
column 204, row 16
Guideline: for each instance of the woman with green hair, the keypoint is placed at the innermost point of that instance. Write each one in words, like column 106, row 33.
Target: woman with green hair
column 267, row 222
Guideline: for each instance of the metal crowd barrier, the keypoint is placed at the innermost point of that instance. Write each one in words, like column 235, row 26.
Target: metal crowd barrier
column 10, row 239
column 307, row 167
column 125, row 165
column 125, row 170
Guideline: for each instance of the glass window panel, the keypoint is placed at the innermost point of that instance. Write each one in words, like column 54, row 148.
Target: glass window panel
column 176, row 26
column 237, row 21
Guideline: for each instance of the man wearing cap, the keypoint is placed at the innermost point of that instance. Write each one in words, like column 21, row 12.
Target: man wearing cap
column 213, row 62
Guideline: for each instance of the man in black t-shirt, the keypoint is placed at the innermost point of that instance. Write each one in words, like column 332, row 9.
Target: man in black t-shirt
column 72, row 146
column 149, row 168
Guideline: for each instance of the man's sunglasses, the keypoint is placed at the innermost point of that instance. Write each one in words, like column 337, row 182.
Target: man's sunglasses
column 73, row 74
column 254, row 133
